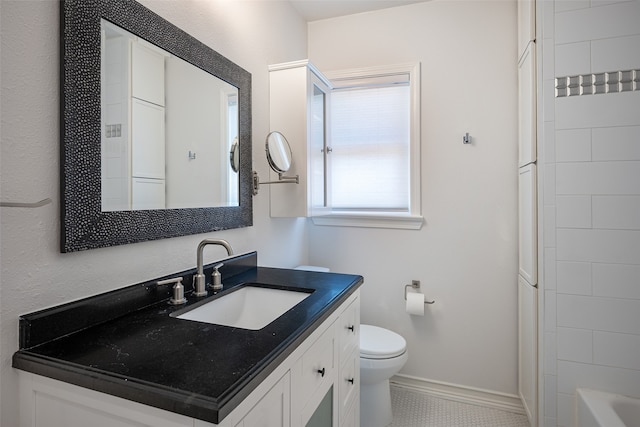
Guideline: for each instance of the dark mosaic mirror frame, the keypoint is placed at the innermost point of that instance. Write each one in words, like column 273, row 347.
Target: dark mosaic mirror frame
column 83, row 224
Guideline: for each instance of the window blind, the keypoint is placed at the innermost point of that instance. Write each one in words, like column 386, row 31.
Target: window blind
column 370, row 124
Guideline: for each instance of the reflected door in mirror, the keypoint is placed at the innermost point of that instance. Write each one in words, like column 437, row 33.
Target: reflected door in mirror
column 167, row 129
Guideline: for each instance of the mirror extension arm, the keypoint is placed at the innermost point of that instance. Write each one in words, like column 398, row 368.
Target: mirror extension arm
column 279, row 157
column 281, row 180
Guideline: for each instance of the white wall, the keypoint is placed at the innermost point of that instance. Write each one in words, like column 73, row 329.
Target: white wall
column 466, row 252
column 34, row 274
column 590, row 169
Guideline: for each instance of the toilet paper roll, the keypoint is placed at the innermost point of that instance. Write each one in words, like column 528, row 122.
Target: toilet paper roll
column 415, row 303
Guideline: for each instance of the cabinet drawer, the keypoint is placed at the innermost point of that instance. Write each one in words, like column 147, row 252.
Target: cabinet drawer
column 352, row 415
column 349, row 329
column 349, row 382
column 317, row 364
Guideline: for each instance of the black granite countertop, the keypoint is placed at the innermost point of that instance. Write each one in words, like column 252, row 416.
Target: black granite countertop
column 141, row 353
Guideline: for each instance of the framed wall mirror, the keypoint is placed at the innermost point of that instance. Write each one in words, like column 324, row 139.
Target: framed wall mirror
column 149, row 117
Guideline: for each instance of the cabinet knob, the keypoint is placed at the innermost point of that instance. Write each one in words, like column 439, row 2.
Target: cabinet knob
column 351, row 328
column 321, row 372
column 350, row 380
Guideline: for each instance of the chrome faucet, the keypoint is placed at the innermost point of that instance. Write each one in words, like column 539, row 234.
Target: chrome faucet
column 199, row 282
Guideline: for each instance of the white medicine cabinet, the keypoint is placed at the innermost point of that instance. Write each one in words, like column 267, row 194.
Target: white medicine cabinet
column 299, row 103
column 306, row 105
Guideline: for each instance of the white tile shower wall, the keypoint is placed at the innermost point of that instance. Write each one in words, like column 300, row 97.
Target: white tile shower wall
column 619, row 53
column 616, row 349
column 616, row 280
column 572, row 375
column 550, row 399
column 574, row 278
column 591, row 206
column 596, row 23
column 598, row 177
column 550, row 271
column 610, row 246
column 598, row 313
column 572, row 59
column 575, row 345
column 604, row 110
column 616, row 143
column 573, row 145
column 573, row 211
column 616, row 212
column 547, row 190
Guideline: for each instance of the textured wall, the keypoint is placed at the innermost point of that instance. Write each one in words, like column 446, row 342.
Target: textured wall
column 466, row 252
column 34, row 274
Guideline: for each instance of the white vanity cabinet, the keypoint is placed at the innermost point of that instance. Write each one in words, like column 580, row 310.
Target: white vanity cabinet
column 313, row 379
column 348, row 382
column 299, row 107
column 313, row 382
column 273, row 408
column 45, row 402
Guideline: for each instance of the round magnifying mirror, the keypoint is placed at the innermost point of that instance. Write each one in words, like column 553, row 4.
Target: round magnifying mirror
column 234, row 156
column 278, row 152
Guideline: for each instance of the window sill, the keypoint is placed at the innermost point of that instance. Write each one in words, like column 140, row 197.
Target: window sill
column 371, row 220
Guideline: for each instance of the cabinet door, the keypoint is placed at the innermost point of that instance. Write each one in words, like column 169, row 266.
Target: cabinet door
column 317, row 366
column 273, row 409
column 299, row 103
column 319, row 147
column 147, row 194
column 50, row 403
column 147, row 72
column 349, row 383
column 349, row 329
column 527, row 229
column 323, row 415
column 528, row 347
column 526, row 24
column 352, row 417
column 527, row 106
column 147, row 140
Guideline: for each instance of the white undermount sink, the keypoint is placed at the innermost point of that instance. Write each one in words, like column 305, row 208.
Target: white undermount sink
column 250, row 307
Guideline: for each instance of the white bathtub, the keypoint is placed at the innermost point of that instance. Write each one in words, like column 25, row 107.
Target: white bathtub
column 600, row 409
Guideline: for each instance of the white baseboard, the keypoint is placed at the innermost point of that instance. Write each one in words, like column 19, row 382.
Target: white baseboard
column 459, row 393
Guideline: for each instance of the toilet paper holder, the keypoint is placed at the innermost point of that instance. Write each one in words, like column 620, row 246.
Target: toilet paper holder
column 415, row 284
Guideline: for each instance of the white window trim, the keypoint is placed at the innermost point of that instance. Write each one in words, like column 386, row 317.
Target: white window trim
column 413, row 219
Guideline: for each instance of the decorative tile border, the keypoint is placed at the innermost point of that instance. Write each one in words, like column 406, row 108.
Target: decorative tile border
column 591, row 84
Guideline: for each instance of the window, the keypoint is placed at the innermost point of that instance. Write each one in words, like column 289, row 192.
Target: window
column 375, row 148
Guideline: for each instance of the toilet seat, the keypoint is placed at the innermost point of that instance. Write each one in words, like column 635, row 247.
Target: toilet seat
column 380, row 343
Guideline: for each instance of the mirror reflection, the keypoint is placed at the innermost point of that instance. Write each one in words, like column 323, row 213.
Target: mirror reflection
column 279, row 157
column 167, row 129
column 234, row 156
column 278, row 152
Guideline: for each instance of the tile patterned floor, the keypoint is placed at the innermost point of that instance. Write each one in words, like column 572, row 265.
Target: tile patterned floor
column 414, row 409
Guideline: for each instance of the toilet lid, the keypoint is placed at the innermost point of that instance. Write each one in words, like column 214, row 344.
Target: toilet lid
column 380, row 343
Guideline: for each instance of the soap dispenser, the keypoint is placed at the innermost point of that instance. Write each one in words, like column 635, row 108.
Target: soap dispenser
column 216, row 278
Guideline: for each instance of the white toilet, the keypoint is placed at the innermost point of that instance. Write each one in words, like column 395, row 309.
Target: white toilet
column 382, row 354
